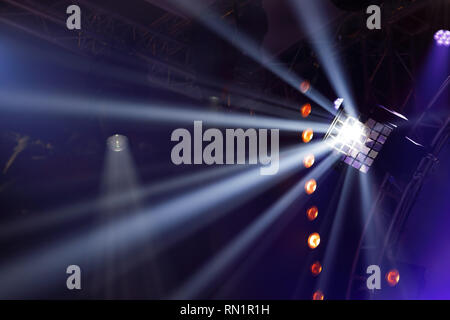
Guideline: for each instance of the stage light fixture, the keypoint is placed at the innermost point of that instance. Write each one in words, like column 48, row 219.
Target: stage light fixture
column 117, row 142
column 318, row 295
column 359, row 142
column 306, row 110
column 312, row 213
column 307, row 135
column 314, row 240
column 442, row 38
column 316, row 268
column 308, row 161
column 305, row 86
column 393, row 277
column 310, row 186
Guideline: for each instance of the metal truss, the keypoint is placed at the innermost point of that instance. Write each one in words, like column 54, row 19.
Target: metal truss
column 375, row 54
column 389, row 213
column 402, row 195
column 160, row 45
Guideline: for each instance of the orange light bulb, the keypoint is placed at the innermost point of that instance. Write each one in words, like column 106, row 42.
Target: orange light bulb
column 316, row 268
column 314, row 240
column 393, row 277
column 306, row 110
column 307, row 135
column 310, row 186
column 318, row 295
column 308, row 161
column 312, row 213
column 305, row 86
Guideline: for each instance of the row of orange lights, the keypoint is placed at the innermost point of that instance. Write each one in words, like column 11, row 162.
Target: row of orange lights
column 310, row 187
column 393, row 276
column 308, row 161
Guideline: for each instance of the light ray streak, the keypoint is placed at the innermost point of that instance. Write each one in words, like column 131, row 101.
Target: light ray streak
column 244, row 240
column 60, row 104
column 132, row 76
column 119, row 174
column 310, row 17
column 252, row 190
column 250, row 99
column 248, row 46
column 367, row 202
column 263, row 245
column 30, row 272
column 336, row 227
column 81, row 209
column 212, row 87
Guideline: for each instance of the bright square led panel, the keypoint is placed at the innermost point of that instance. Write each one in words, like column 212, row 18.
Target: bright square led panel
column 360, row 143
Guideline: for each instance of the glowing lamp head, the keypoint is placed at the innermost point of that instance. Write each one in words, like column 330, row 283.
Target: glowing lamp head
column 318, row 295
column 312, row 213
column 305, row 110
column 349, row 131
column 310, row 186
column 117, row 142
column 316, row 268
column 314, row 240
column 442, row 38
column 307, row 135
column 305, row 86
column 393, row 277
column 308, row 161
column 360, row 143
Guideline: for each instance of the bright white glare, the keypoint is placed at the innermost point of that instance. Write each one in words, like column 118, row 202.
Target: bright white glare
column 346, row 134
column 67, row 104
column 359, row 143
column 352, row 129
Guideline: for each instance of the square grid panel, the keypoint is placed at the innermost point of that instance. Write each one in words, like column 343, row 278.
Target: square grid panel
column 359, row 143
